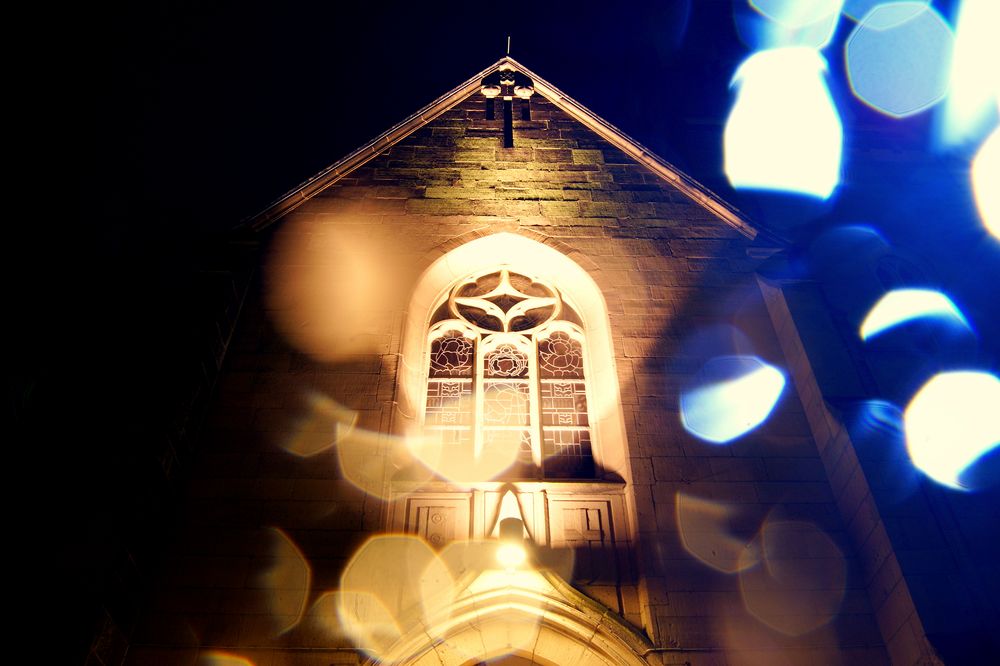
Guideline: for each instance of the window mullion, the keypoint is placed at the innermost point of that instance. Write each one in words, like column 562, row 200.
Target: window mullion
column 479, row 372
column 535, row 406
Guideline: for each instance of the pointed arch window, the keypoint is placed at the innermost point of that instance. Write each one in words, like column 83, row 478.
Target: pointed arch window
column 506, row 376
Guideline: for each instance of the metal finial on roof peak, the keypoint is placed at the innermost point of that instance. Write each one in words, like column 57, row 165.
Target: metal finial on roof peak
column 508, row 46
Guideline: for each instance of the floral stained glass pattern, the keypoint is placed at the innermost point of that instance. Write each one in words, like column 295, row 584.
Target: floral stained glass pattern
column 559, row 355
column 451, row 356
column 506, row 361
column 449, row 406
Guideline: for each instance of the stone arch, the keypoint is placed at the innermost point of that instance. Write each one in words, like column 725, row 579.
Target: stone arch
column 548, row 260
column 535, row 616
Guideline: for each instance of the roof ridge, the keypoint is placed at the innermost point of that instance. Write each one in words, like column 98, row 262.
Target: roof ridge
column 692, row 188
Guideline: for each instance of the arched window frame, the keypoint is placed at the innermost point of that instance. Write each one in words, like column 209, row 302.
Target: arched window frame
column 485, row 342
column 525, row 255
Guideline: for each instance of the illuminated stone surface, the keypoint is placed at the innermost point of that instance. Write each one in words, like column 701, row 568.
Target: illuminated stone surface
column 661, row 263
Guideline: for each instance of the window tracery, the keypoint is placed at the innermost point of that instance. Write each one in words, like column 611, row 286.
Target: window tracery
column 451, row 355
column 506, row 370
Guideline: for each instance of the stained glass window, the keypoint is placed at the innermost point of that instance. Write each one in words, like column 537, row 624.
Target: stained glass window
column 506, row 361
column 559, row 355
column 565, row 419
column 449, row 407
column 564, row 404
column 451, row 356
column 506, row 374
column 449, row 403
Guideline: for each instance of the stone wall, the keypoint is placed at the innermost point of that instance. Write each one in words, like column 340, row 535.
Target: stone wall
column 271, row 501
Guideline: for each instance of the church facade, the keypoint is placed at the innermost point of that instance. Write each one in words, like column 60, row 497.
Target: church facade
column 449, row 427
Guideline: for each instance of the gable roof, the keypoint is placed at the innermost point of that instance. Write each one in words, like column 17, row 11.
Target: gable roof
column 327, row 177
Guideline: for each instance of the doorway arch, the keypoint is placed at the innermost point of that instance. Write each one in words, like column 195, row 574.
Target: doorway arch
column 530, row 617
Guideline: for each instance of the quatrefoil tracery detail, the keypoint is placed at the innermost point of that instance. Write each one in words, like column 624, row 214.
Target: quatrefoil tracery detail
column 505, row 307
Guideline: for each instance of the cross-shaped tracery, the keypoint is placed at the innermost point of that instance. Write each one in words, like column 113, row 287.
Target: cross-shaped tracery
column 493, row 303
column 506, row 377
